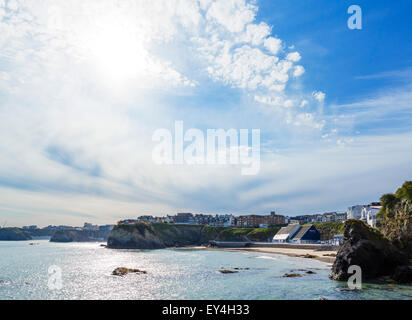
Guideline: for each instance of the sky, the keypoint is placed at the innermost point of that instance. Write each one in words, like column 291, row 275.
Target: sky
column 85, row 84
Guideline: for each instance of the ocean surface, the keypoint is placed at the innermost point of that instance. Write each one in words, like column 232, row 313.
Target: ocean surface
column 83, row 271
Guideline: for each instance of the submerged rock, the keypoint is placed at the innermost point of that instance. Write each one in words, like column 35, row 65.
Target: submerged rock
column 291, row 275
column 367, row 248
column 228, row 271
column 124, row 271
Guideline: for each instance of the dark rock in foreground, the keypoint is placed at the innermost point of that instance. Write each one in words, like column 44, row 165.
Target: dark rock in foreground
column 403, row 275
column 368, row 249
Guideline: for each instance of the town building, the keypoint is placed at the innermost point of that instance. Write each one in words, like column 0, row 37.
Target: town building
column 128, row 221
column 306, row 234
column 108, row 227
column 286, row 233
column 30, row 228
column 184, row 218
column 254, row 221
column 354, row 212
column 370, row 212
column 90, row 227
column 337, row 239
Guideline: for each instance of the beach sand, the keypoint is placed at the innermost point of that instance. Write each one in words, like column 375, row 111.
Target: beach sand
column 292, row 252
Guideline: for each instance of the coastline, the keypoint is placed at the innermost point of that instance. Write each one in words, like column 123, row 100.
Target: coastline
column 291, row 252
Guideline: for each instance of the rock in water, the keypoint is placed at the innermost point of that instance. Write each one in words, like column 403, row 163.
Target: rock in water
column 228, row 271
column 291, row 275
column 124, row 271
column 368, row 249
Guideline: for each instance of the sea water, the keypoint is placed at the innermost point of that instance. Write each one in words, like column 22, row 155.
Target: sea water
column 28, row 269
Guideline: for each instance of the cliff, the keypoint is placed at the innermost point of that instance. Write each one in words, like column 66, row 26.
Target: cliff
column 367, row 248
column 79, row 236
column 14, row 234
column 386, row 251
column 160, row 235
column 396, row 218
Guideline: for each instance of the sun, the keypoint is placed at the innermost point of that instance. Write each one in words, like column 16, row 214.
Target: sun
column 117, row 52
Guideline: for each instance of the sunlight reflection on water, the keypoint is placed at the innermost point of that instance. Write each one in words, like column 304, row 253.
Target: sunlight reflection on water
column 171, row 274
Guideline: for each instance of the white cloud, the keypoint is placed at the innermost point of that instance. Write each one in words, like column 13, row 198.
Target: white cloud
column 232, row 14
column 82, row 99
column 13, row 5
column 298, row 71
column 319, row 96
column 255, row 34
column 294, row 56
column 273, row 45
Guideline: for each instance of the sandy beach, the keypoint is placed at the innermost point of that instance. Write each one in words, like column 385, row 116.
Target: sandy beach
column 325, row 256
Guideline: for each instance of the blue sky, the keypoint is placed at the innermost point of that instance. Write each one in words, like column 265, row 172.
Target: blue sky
column 85, row 84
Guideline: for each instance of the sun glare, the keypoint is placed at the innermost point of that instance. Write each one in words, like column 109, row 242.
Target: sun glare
column 118, row 52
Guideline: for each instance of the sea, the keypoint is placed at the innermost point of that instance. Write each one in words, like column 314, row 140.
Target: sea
column 41, row 270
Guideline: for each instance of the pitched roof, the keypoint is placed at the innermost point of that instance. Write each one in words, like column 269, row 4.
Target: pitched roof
column 286, row 230
column 301, row 233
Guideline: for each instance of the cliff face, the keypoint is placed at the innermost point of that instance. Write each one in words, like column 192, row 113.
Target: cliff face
column 398, row 227
column 79, row 236
column 160, row 235
column 367, row 248
column 153, row 236
column 13, row 234
column 396, row 217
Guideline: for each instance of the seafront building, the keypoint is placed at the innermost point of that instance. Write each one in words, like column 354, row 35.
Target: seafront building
column 369, row 214
column 306, row 234
column 296, row 233
column 354, row 212
column 259, row 221
column 286, row 233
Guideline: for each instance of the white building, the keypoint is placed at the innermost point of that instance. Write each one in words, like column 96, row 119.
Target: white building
column 286, row 233
column 371, row 213
column 354, row 212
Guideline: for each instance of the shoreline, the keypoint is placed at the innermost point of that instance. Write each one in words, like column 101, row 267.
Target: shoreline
column 291, row 252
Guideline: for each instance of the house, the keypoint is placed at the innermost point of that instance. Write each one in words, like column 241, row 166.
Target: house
column 306, row 234
column 370, row 212
column 255, row 220
column 184, row 218
column 354, row 212
column 337, row 239
column 107, row 227
column 286, row 233
column 341, row 217
column 128, row 221
column 371, row 215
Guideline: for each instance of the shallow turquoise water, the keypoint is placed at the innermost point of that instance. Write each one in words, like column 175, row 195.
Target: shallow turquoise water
column 171, row 274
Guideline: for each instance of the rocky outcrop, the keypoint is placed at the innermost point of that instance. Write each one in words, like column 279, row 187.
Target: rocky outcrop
column 397, row 225
column 14, row 234
column 154, row 236
column 79, row 236
column 162, row 235
column 122, row 271
column 367, row 248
